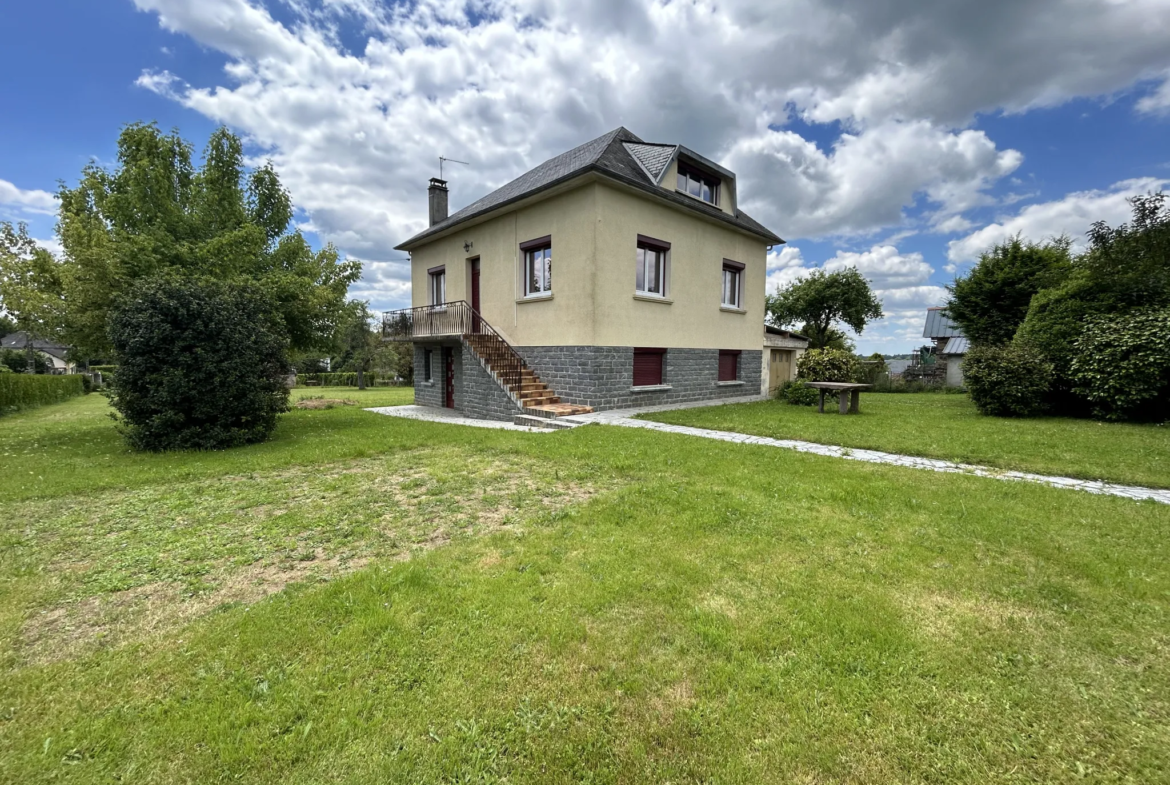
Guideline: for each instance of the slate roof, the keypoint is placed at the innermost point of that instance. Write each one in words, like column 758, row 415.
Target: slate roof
column 607, row 155
column 654, row 157
column 20, row 341
column 939, row 326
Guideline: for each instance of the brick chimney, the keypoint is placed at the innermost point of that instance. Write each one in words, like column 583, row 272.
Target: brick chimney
column 437, row 199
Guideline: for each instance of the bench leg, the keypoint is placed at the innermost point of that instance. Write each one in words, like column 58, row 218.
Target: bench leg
column 855, row 402
column 843, row 402
column 822, row 392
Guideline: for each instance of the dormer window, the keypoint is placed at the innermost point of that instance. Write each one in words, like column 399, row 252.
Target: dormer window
column 698, row 184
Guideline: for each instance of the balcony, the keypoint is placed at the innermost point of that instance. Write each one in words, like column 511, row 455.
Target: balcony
column 446, row 320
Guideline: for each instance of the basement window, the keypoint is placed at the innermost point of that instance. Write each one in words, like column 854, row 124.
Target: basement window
column 728, row 365
column 648, row 367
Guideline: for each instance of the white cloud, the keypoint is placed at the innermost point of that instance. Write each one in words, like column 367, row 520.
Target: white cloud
column 1072, row 216
column 52, row 245
column 1157, row 102
column 884, row 267
column 32, row 201
column 868, row 179
column 355, row 132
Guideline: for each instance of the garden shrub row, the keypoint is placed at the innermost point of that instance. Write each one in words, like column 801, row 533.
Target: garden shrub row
column 23, row 390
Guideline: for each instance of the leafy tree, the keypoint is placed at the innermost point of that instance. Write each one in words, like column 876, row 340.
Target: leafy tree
column 991, row 301
column 156, row 212
column 7, row 325
column 833, row 338
column 1125, row 268
column 201, row 364
column 1129, row 265
column 30, row 283
column 358, row 342
column 820, row 300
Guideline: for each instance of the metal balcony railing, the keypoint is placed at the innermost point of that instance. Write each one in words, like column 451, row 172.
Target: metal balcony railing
column 458, row 320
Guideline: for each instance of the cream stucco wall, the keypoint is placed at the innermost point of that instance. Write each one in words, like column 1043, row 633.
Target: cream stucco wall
column 594, row 229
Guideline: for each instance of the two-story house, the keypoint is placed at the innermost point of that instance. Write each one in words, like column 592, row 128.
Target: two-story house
column 620, row 273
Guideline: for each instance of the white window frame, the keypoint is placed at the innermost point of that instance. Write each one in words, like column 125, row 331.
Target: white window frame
column 646, row 249
column 437, row 285
column 731, row 295
column 543, row 277
column 688, row 175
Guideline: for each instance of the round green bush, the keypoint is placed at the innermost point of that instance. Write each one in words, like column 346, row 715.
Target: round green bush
column 201, row 365
column 1122, row 365
column 1007, row 381
column 798, row 393
column 828, row 365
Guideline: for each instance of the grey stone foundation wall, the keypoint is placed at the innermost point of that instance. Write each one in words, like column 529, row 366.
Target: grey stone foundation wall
column 431, row 393
column 602, row 376
column 483, row 397
column 427, row 393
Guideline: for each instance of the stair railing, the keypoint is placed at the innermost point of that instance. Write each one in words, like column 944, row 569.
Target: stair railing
column 458, row 319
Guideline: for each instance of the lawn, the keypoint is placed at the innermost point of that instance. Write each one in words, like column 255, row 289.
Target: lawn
column 368, row 599
column 949, row 427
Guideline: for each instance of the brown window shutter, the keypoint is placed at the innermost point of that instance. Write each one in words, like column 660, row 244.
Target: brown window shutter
column 728, row 366
column 648, row 367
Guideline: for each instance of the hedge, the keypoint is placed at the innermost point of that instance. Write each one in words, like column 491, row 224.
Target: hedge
column 23, row 390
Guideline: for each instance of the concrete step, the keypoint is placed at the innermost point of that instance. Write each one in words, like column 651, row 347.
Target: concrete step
column 548, row 423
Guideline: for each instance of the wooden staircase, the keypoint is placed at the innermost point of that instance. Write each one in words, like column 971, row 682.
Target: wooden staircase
column 534, row 396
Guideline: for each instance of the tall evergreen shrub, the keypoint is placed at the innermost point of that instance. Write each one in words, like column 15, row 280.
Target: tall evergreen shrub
column 201, row 365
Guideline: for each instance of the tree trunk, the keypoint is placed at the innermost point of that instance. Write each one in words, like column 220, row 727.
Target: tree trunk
column 361, row 379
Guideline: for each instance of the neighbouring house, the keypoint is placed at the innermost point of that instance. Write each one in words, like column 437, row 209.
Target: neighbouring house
column 950, row 345
column 621, row 273
column 52, row 353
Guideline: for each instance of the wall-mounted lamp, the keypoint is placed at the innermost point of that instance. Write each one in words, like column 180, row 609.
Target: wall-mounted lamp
column 467, row 247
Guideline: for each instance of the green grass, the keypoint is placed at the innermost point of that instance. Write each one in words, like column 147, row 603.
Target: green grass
column 370, row 599
column 944, row 426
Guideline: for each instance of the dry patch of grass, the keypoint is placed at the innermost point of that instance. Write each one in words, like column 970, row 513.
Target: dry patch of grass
column 126, row 566
column 950, row 616
column 320, row 402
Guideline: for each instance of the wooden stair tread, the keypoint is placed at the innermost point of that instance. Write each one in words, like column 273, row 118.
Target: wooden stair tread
column 562, row 409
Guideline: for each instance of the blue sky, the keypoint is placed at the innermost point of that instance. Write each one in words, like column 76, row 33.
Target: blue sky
column 899, row 138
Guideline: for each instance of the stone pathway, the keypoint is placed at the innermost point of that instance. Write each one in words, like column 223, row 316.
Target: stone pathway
column 434, row 414
column 624, row 418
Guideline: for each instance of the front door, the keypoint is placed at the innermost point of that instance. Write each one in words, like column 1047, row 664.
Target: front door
column 779, row 368
column 448, row 378
column 475, row 295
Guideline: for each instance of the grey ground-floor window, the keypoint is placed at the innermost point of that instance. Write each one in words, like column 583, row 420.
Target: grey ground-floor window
column 427, row 365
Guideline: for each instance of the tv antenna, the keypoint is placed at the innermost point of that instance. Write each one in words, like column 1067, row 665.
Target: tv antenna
column 450, row 161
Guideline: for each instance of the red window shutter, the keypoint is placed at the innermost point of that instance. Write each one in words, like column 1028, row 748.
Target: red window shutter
column 648, row 367
column 728, row 366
